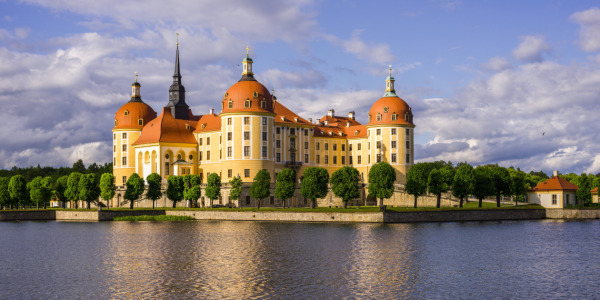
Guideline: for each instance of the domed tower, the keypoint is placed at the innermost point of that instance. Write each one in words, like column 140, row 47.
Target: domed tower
column 247, row 127
column 129, row 121
column 391, row 131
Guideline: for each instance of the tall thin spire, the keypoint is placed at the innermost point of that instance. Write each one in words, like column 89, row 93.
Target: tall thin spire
column 177, row 73
column 179, row 109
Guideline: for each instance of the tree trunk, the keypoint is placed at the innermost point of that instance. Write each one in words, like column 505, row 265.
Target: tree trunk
column 439, row 200
column 153, row 203
column 258, row 203
column 516, row 204
column 416, row 201
column 130, row 204
column 380, row 202
column 76, row 204
column 283, row 203
column 344, row 204
column 89, row 205
column 480, row 202
column 174, row 204
column 211, row 203
column 312, row 203
column 461, row 202
column 497, row 200
column 37, row 205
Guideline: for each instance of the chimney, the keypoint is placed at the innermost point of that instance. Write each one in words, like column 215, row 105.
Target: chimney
column 326, row 123
column 330, row 112
column 211, row 111
column 310, row 120
column 351, row 115
column 555, row 173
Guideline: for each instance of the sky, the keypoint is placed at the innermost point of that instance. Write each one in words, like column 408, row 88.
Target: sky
column 515, row 83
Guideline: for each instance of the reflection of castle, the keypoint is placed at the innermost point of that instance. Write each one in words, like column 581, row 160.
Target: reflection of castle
column 255, row 131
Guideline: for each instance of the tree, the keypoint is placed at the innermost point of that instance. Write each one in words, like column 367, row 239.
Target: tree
column 260, row 187
column 35, row 191
column 107, row 187
column 72, row 191
column 88, row 189
column 584, row 182
column 175, row 189
column 314, row 184
column 285, row 185
column 60, row 188
column 154, row 193
column 381, row 181
column 483, row 185
column 436, row 184
column 4, row 194
column 191, row 189
column 344, row 183
column 134, row 188
column 236, row 188
column 462, row 185
column 416, row 180
column 213, row 187
column 501, row 179
column 17, row 188
column 517, row 182
column 79, row 167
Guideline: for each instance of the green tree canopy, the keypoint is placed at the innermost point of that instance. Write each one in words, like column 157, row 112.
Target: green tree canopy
column 88, row 189
column 134, row 188
column 314, row 184
column 154, row 193
column 213, row 187
column 107, row 187
column 17, row 188
column 483, row 185
column 4, row 194
column 175, row 189
column 260, row 187
column 285, row 185
column 462, row 185
column 35, row 191
column 501, row 178
column 416, row 179
column 344, row 183
column 518, row 185
column 381, row 181
column 191, row 189
column 72, row 192
column 78, row 166
column 236, row 188
column 436, row 184
column 60, row 187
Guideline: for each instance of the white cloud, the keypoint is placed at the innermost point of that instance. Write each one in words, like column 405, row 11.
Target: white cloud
column 377, row 53
column 589, row 35
column 285, row 79
column 531, row 48
column 497, row 64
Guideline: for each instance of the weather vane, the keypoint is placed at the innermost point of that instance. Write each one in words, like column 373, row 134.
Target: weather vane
column 390, row 70
column 177, row 34
column 136, row 76
column 247, row 50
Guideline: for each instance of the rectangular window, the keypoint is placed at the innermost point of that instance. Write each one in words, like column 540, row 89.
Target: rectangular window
column 207, row 155
column 264, row 151
column 124, row 161
column 378, row 157
column 393, row 131
column 318, row 158
column 114, row 136
column 278, row 144
column 343, row 147
column 124, row 148
column 293, row 143
column 305, row 158
column 368, row 159
column 246, row 120
column 369, row 146
column 246, row 150
column 343, row 160
column 277, row 130
column 306, row 145
column 278, row 157
column 349, row 147
column 393, row 157
column 334, row 147
column 263, row 105
column 247, row 200
column 229, row 173
column 207, row 141
column 229, row 134
column 378, row 144
column 228, row 121
column 200, row 155
column 393, row 144
column 264, row 136
column 407, row 132
column 326, row 146
column 292, row 131
column 335, row 159
column 359, row 146
column 326, row 159
column 246, row 172
column 554, row 199
column 264, row 121
column 305, row 132
column 125, row 179
column 378, row 131
column 359, row 159
column 317, row 146
column 229, row 151
column 350, row 159
column 246, row 135
column 407, row 158
column 407, row 145
column 200, row 141
column 247, row 104
column 124, row 135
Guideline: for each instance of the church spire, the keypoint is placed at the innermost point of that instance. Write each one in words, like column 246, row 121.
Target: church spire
column 179, row 109
column 389, row 85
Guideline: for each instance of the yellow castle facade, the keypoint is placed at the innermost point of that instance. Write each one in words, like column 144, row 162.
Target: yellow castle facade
column 255, row 131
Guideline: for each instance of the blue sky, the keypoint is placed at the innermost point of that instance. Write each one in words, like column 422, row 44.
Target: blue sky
column 508, row 82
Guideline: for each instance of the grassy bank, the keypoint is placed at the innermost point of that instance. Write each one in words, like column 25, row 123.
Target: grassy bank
column 153, row 218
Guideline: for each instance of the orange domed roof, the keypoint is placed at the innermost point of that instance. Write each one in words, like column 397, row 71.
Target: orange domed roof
column 390, row 110
column 128, row 116
column 258, row 97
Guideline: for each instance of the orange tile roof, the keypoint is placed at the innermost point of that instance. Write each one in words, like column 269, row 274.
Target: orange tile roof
column 135, row 110
column 594, row 190
column 245, row 90
column 167, row 129
column 208, row 122
column 356, row 132
column 555, row 183
column 286, row 116
column 386, row 106
column 338, row 121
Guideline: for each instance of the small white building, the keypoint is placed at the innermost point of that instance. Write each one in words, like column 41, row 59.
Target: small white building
column 555, row 192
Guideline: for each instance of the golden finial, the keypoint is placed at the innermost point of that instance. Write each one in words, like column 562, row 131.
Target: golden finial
column 177, row 34
column 136, row 76
column 247, row 50
column 390, row 70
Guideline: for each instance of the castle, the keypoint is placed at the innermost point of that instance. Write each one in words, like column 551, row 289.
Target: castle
column 255, row 131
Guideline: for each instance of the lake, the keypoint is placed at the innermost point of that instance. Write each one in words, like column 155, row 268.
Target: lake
column 264, row 260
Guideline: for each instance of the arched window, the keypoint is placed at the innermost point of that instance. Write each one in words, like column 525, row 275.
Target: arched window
column 378, row 117
column 178, row 156
column 247, row 103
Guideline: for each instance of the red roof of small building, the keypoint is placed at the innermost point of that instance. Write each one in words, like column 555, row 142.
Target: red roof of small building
column 167, row 129
column 555, row 183
column 594, row 190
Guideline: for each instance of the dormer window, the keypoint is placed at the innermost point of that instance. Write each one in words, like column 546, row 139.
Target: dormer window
column 140, row 122
column 255, row 94
column 394, row 116
column 356, row 132
column 230, row 104
column 347, row 124
column 187, row 126
column 263, row 104
column 225, row 97
column 247, row 103
column 378, row 117
column 282, row 118
column 369, row 118
column 341, row 134
column 115, row 122
column 406, row 116
column 296, row 119
column 202, row 126
column 126, row 112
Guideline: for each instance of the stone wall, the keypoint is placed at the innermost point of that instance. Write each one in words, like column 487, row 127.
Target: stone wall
column 33, row 215
column 464, row 215
column 560, row 213
column 279, row 216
